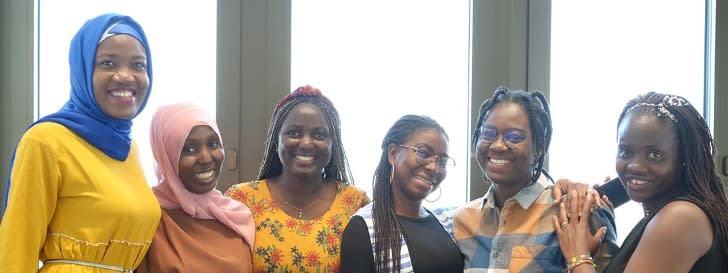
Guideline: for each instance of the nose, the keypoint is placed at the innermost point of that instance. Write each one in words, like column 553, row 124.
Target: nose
column 205, row 156
column 635, row 165
column 306, row 141
column 432, row 166
column 498, row 144
column 123, row 75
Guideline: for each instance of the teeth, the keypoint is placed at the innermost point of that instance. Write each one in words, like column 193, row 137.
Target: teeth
column 304, row 158
column 123, row 93
column 425, row 180
column 500, row 161
column 205, row 175
column 637, row 182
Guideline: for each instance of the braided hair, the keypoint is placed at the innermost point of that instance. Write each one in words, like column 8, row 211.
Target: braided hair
column 539, row 118
column 338, row 167
column 699, row 178
column 387, row 230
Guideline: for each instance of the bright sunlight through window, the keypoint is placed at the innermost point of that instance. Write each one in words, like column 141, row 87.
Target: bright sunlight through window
column 604, row 53
column 378, row 60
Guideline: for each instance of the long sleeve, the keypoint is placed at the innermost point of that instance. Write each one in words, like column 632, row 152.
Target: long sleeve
column 604, row 217
column 31, row 205
column 356, row 248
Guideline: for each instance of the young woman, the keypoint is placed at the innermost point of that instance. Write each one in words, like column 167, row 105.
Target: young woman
column 509, row 228
column 78, row 200
column 396, row 233
column 201, row 230
column 665, row 160
column 302, row 199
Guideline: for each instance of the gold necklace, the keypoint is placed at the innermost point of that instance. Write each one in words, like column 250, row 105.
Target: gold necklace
column 300, row 210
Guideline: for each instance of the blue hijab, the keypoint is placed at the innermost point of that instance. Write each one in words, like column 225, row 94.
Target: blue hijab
column 81, row 114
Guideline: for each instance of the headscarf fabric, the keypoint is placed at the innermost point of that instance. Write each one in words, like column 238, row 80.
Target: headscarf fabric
column 81, row 113
column 171, row 125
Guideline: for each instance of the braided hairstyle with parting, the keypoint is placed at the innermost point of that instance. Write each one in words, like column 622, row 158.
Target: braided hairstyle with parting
column 338, row 167
column 696, row 149
column 539, row 118
column 387, row 230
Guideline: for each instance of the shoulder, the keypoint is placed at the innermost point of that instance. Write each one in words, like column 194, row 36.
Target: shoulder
column 357, row 227
column 48, row 132
column 683, row 225
column 357, row 223
column 241, row 191
column 353, row 192
column 681, row 214
column 349, row 188
column 471, row 207
column 48, row 139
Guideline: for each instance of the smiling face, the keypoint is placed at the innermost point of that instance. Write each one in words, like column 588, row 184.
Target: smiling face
column 304, row 141
column 120, row 78
column 505, row 150
column 415, row 178
column 201, row 160
column 647, row 156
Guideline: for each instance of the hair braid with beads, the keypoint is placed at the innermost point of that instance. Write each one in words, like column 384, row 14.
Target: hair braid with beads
column 539, row 119
column 338, row 167
column 387, row 229
column 696, row 149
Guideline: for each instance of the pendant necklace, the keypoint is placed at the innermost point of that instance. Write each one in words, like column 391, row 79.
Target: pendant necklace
column 300, row 210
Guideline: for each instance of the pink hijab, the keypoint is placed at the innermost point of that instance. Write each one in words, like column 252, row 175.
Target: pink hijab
column 171, row 125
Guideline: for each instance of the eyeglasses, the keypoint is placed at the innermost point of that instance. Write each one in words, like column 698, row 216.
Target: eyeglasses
column 511, row 137
column 424, row 156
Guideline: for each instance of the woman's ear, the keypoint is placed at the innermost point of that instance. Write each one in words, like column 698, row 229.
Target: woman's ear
column 392, row 151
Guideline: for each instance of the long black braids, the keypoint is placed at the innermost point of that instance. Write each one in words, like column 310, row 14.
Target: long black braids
column 387, row 230
column 338, row 167
column 699, row 177
column 539, row 118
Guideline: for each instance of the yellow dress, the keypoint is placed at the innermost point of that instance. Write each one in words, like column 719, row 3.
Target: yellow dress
column 70, row 201
column 286, row 244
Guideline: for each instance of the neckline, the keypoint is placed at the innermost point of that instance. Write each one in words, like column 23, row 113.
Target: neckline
column 277, row 209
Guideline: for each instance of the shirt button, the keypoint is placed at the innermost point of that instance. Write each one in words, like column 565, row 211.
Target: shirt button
column 495, row 255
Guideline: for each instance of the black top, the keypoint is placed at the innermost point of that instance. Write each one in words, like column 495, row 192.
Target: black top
column 710, row 262
column 430, row 247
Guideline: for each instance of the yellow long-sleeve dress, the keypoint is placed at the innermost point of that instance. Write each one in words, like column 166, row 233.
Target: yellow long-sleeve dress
column 70, row 201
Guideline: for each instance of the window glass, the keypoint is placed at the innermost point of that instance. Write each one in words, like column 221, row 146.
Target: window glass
column 183, row 44
column 378, row 60
column 604, row 53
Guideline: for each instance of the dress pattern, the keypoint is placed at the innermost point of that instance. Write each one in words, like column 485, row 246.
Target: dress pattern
column 287, row 244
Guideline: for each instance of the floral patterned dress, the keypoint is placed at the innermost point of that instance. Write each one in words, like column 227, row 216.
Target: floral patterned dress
column 287, row 244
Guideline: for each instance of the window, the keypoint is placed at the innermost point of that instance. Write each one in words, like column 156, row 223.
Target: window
column 183, row 45
column 378, row 60
column 602, row 55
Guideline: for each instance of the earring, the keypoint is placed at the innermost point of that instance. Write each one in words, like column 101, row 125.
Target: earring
column 439, row 194
column 391, row 174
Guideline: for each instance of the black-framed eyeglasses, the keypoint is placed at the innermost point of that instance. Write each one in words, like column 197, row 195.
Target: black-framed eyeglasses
column 511, row 137
column 424, row 156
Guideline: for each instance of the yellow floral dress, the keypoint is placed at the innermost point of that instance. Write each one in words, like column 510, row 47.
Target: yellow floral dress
column 287, row 244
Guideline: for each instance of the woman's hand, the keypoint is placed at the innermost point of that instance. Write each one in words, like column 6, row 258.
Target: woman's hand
column 572, row 226
column 563, row 186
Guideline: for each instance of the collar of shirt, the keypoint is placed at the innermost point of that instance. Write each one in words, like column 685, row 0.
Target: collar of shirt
column 525, row 197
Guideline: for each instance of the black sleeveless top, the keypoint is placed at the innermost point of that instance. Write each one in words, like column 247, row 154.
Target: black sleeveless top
column 709, row 263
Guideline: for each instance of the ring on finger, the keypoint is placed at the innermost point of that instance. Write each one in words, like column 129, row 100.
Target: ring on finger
column 564, row 223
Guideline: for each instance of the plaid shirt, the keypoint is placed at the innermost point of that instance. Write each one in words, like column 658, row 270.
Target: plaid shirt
column 518, row 238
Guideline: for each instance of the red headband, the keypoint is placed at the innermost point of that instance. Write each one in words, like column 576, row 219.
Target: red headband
column 303, row 91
